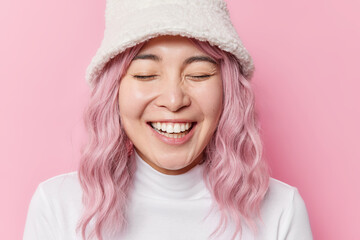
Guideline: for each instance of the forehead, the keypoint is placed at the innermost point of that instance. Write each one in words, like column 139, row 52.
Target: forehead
column 170, row 43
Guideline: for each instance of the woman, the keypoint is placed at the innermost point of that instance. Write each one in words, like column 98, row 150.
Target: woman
column 174, row 150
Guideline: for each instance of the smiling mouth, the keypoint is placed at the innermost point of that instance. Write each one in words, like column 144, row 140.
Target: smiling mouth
column 172, row 130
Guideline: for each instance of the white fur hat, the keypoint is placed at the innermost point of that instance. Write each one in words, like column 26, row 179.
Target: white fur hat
column 129, row 22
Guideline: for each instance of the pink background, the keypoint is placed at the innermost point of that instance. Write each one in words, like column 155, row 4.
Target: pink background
column 307, row 85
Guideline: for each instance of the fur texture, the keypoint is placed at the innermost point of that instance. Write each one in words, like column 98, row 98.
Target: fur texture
column 130, row 22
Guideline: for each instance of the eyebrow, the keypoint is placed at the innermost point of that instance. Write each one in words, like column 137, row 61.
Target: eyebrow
column 200, row 58
column 147, row 56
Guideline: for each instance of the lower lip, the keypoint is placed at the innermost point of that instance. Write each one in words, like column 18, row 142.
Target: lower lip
column 174, row 141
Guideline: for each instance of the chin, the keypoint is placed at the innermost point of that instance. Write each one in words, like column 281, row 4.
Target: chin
column 172, row 165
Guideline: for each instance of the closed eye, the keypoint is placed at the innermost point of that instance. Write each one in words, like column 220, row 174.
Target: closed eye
column 201, row 77
column 144, row 76
column 152, row 76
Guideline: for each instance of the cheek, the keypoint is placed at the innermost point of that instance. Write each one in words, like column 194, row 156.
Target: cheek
column 210, row 99
column 133, row 99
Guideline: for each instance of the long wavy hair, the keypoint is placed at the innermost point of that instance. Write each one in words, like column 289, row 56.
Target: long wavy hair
column 235, row 172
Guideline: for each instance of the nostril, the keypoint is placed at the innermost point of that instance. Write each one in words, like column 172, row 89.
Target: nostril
column 173, row 100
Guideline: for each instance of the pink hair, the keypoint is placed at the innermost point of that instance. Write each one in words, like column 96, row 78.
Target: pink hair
column 237, row 175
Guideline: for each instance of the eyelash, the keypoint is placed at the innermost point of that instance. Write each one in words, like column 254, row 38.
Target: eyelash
column 151, row 76
column 201, row 76
column 144, row 77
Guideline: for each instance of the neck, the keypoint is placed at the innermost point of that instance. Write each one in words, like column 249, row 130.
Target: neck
column 154, row 184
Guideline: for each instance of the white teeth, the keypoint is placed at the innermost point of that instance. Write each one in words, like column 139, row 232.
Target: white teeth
column 171, row 127
column 176, row 128
column 172, row 135
column 163, row 127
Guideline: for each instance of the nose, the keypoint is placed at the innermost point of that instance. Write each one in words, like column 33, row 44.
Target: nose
column 173, row 96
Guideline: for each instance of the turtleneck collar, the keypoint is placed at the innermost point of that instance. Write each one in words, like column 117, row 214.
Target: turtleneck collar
column 154, row 184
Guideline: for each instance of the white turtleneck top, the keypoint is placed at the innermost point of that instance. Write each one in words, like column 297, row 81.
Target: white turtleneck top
column 164, row 207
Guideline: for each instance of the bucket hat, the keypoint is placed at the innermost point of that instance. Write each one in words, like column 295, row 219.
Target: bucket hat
column 130, row 22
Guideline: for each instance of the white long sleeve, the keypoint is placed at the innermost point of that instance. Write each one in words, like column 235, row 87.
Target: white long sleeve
column 295, row 221
column 40, row 220
column 164, row 207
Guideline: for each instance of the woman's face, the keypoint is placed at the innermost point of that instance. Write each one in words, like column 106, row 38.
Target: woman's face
column 170, row 102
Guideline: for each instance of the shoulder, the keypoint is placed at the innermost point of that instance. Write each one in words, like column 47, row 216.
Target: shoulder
column 64, row 188
column 60, row 180
column 280, row 195
column 280, row 191
column 54, row 208
column 63, row 182
column 284, row 211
